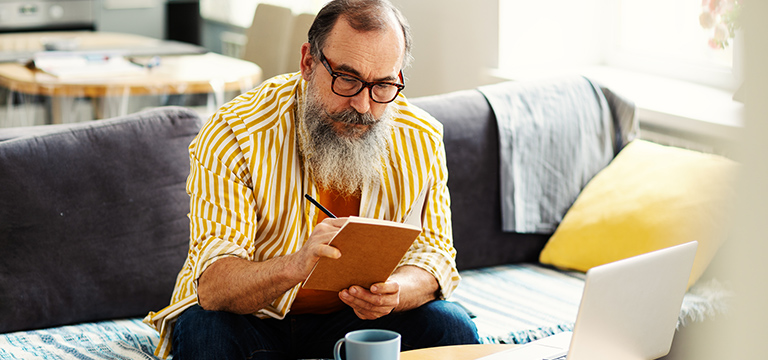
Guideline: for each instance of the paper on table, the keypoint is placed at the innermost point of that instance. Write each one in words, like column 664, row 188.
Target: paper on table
column 66, row 65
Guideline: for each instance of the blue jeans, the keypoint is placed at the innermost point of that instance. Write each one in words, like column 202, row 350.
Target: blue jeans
column 202, row 334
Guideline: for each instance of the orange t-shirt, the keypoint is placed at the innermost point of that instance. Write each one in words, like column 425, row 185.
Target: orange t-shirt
column 319, row 301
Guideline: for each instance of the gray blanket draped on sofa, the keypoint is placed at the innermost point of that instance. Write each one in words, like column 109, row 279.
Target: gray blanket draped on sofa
column 554, row 136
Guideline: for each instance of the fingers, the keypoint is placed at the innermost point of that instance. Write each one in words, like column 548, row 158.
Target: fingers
column 322, row 235
column 326, row 230
column 389, row 287
column 337, row 223
column 317, row 246
column 328, row 252
column 369, row 305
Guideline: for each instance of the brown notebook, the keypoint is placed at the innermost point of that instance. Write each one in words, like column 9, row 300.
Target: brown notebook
column 370, row 250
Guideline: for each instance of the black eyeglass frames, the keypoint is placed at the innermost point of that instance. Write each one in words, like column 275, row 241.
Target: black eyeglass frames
column 348, row 85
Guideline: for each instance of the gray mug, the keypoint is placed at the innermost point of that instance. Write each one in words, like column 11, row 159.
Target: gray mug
column 371, row 344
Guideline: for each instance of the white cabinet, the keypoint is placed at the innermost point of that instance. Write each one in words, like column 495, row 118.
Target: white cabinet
column 141, row 17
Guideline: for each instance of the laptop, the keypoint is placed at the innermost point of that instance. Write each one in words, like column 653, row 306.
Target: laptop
column 628, row 310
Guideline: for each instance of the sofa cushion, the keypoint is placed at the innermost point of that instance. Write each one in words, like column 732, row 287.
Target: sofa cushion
column 471, row 139
column 649, row 197
column 93, row 218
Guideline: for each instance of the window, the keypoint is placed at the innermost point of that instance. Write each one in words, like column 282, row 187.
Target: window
column 659, row 37
column 665, row 37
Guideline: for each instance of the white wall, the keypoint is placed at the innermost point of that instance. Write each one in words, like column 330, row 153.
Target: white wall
column 549, row 34
column 744, row 334
column 454, row 44
column 456, row 41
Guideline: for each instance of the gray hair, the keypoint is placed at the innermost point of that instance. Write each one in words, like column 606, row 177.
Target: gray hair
column 362, row 15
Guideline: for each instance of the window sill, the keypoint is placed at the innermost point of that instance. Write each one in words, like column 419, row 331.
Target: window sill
column 662, row 102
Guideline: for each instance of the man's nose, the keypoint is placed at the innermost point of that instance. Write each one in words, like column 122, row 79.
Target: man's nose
column 362, row 101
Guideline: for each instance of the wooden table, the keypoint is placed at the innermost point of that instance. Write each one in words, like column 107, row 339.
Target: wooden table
column 188, row 74
column 457, row 352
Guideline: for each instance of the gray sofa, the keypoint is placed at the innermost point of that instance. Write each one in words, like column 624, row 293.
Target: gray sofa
column 93, row 225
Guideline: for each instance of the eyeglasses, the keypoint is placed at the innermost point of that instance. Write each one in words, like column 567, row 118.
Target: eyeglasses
column 348, row 86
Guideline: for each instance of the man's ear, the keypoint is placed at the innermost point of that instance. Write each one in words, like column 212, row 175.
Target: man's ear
column 307, row 62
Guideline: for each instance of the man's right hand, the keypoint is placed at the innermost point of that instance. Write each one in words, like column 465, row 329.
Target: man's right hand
column 241, row 286
column 317, row 246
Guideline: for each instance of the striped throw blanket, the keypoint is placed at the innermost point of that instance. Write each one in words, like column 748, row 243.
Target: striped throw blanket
column 515, row 304
column 120, row 339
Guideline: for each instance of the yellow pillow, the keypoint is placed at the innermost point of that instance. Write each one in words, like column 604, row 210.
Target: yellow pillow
column 649, row 197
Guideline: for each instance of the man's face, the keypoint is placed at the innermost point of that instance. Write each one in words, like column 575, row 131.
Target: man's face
column 343, row 139
column 343, row 150
column 369, row 56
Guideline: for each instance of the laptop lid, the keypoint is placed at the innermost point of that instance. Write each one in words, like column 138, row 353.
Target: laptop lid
column 628, row 310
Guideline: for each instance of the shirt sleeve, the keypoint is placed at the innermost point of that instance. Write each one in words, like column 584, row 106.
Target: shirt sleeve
column 433, row 250
column 222, row 215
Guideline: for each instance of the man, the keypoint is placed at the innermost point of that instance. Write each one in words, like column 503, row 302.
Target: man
column 341, row 132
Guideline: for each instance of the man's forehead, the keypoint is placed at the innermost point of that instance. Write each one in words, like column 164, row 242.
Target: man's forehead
column 364, row 53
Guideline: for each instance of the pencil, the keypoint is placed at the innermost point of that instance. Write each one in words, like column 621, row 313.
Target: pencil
column 313, row 201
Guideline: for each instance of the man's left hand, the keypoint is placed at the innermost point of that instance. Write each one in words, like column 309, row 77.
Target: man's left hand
column 372, row 304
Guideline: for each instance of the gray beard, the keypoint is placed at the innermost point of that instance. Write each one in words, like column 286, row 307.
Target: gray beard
column 344, row 163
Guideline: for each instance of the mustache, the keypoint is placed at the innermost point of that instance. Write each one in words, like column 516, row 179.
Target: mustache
column 352, row 117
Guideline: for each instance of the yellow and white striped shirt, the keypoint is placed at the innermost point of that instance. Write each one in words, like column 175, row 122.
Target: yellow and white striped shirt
column 247, row 183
